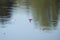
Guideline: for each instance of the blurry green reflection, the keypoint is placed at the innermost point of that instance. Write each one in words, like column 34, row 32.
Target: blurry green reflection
column 45, row 13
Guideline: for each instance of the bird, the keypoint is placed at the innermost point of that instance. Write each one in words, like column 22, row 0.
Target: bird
column 30, row 20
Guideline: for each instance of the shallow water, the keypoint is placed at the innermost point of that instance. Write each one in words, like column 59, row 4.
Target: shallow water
column 19, row 28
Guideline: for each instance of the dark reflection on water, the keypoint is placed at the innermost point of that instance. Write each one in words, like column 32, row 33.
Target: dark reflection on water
column 5, row 10
column 40, row 16
column 24, row 19
column 46, row 14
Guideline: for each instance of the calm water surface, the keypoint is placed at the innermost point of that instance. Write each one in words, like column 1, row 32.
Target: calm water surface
column 19, row 28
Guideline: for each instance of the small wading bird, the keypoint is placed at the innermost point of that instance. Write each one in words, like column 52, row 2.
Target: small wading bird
column 30, row 20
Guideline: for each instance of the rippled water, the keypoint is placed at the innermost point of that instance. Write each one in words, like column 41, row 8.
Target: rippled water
column 19, row 27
